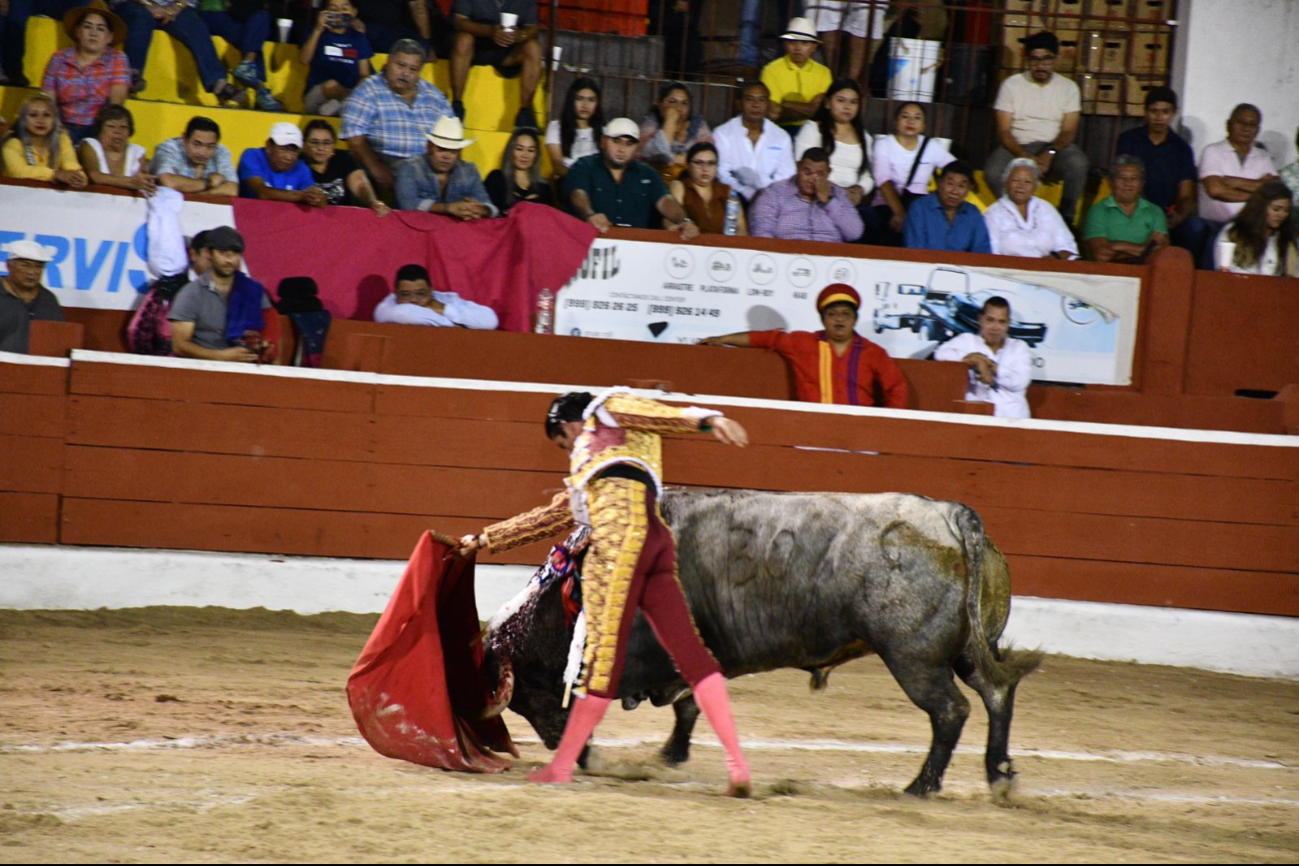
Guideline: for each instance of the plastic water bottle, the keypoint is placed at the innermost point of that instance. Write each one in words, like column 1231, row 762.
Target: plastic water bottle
column 545, row 319
column 732, row 226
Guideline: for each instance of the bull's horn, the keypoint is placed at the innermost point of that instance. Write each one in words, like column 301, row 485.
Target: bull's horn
column 504, row 691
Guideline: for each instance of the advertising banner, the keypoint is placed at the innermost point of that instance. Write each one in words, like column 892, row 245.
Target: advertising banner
column 1079, row 327
column 100, row 243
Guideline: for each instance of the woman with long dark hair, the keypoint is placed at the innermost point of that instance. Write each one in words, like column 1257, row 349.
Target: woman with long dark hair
column 577, row 131
column 838, row 128
column 670, row 130
column 1261, row 239
column 903, row 165
column 519, row 177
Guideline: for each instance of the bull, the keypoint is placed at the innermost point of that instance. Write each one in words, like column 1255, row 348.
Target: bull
column 805, row 580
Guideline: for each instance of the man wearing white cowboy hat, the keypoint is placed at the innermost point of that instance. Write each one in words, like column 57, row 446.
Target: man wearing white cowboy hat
column 440, row 181
column 277, row 173
column 22, row 297
column 796, row 81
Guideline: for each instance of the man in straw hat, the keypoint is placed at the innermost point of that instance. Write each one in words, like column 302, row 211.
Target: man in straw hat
column 797, row 82
column 835, row 365
column 22, row 297
column 439, row 181
column 92, row 73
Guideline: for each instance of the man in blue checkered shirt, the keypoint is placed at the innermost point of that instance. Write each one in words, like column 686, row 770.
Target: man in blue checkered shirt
column 387, row 116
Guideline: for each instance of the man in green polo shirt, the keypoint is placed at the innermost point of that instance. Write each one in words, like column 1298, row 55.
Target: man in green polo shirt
column 1125, row 228
column 613, row 188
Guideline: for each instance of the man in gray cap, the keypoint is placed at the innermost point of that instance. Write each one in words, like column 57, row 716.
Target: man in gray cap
column 222, row 315
column 614, row 188
column 22, row 297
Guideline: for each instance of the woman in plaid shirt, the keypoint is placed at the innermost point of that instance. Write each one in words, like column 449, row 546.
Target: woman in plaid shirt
column 90, row 74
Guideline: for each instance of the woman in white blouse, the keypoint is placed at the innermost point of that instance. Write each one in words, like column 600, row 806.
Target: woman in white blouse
column 1261, row 239
column 576, row 133
column 903, row 164
column 837, row 128
column 1020, row 224
column 109, row 157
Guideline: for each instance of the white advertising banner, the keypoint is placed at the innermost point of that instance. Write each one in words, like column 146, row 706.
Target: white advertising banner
column 1080, row 327
column 100, row 242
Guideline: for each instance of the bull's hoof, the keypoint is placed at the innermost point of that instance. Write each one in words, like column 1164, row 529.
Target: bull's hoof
column 673, row 757
column 922, row 790
column 1002, row 787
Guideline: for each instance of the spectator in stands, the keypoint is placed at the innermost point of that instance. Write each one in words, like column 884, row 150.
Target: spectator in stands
column 577, row 132
column 1001, row 367
column 752, row 152
column 1037, row 116
column 702, row 195
column 413, row 302
column 246, row 25
column 388, row 22
column 90, row 74
column 22, row 297
column 1232, row 169
column 197, row 161
column 677, row 21
column 482, row 39
column 1261, row 239
column 903, row 165
column 440, row 181
column 275, row 172
column 835, row 365
column 221, row 316
column 179, row 19
column 1170, row 171
column 831, row 17
column 1290, row 177
column 37, row 148
column 108, row 156
column 1020, row 224
column 519, row 177
column 14, row 15
column 613, row 188
column 838, row 128
column 338, row 53
column 807, row 206
column 387, row 117
column 944, row 220
column 796, row 83
column 1124, row 228
column 670, row 130
column 336, row 172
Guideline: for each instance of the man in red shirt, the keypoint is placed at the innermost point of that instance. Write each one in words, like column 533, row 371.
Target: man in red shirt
column 836, row 365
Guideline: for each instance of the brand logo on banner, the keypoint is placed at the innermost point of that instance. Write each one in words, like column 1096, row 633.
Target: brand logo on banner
column 100, row 242
column 1079, row 327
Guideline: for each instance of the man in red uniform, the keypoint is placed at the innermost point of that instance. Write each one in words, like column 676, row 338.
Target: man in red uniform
column 836, row 365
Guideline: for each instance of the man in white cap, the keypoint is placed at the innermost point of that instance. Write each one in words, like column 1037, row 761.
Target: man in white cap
column 276, row 172
column 22, row 297
column 613, row 188
column 797, row 82
column 440, row 181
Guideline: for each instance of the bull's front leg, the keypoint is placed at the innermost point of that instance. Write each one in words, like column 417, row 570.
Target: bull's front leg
column 677, row 749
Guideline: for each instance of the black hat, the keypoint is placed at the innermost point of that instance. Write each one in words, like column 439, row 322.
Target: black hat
column 1043, row 39
column 224, row 238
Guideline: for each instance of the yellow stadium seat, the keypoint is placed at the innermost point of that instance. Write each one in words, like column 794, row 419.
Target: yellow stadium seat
column 172, row 76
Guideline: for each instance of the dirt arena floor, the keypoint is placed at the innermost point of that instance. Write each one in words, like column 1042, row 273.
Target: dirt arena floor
column 174, row 734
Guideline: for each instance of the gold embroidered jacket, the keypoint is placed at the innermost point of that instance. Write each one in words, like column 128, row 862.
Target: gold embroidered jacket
column 619, row 427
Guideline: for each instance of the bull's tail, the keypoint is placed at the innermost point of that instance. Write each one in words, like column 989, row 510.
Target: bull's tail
column 1001, row 668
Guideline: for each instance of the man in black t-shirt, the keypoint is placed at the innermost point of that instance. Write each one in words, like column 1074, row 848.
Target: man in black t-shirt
column 386, row 21
column 499, row 33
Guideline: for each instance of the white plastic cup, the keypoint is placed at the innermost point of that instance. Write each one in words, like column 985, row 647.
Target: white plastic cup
column 556, row 51
column 285, row 25
column 1226, row 255
column 508, row 20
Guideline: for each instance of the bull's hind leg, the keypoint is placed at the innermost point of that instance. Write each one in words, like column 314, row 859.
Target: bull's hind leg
column 933, row 690
column 999, row 700
column 677, row 749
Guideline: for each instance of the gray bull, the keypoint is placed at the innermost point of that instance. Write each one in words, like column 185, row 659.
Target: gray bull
column 807, row 580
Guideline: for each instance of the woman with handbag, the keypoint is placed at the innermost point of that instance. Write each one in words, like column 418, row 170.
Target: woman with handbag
column 903, row 165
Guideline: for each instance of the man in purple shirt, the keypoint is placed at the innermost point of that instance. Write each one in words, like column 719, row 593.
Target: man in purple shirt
column 806, row 207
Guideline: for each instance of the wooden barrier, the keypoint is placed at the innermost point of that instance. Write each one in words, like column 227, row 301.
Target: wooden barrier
column 220, row 457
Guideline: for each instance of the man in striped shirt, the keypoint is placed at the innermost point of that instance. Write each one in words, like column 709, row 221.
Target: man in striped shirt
column 835, row 365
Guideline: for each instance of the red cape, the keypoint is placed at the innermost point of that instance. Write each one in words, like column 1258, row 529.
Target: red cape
column 418, row 688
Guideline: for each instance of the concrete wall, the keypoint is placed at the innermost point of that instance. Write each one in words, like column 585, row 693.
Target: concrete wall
column 1233, row 51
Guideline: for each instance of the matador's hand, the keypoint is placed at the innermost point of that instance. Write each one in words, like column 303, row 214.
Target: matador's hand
column 730, row 432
